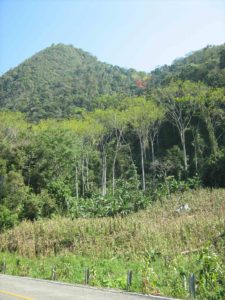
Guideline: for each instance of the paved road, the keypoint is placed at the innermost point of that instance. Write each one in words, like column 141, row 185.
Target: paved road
column 13, row 287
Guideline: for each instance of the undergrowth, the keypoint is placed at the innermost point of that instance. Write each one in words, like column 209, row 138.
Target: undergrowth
column 161, row 246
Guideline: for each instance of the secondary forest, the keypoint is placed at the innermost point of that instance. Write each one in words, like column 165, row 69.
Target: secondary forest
column 81, row 139
column 118, row 137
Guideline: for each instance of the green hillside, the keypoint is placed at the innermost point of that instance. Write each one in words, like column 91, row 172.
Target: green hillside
column 95, row 160
column 206, row 65
column 56, row 81
column 59, row 79
column 121, row 153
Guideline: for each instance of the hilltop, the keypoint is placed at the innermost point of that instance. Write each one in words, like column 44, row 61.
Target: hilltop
column 60, row 78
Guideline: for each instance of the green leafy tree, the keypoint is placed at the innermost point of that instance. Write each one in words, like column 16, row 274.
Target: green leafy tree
column 101, row 123
column 143, row 117
column 211, row 110
column 180, row 100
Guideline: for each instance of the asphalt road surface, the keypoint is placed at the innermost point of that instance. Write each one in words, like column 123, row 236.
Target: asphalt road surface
column 13, row 287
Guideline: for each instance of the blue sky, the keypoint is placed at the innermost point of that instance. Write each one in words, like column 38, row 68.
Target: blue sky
column 140, row 34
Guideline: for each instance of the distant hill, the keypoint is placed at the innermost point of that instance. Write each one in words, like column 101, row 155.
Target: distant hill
column 60, row 78
column 206, row 65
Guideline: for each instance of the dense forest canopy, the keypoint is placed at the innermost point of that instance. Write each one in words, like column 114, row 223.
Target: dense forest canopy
column 57, row 80
column 206, row 65
column 82, row 138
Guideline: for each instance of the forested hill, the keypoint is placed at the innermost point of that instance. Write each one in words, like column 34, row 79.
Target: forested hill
column 123, row 152
column 206, row 65
column 95, row 140
column 60, row 78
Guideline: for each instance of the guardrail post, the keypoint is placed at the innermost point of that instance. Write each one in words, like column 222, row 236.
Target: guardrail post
column 192, row 286
column 53, row 276
column 129, row 279
column 185, row 282
column 3, row 267
column 86, row 276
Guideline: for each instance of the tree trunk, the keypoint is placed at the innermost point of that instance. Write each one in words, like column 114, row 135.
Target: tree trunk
column 152, row 149
column 76, row 183
column 113, row 174
column 104, row 172
column 212, row 137
column 183, row 142
column 114, row 165
column 87, row 173
column 196, row 158
column 82, row 175
column 142, row 164
column 209, row 126
column 134, row 167
column 195, row 143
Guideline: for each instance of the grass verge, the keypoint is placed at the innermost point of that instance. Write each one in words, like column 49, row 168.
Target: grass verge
column 161, row 247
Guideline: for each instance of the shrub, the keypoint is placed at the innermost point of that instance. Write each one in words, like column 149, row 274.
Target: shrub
column 7, row 218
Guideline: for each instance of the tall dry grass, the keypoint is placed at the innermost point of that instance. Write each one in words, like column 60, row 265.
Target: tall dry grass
column 158, row 228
